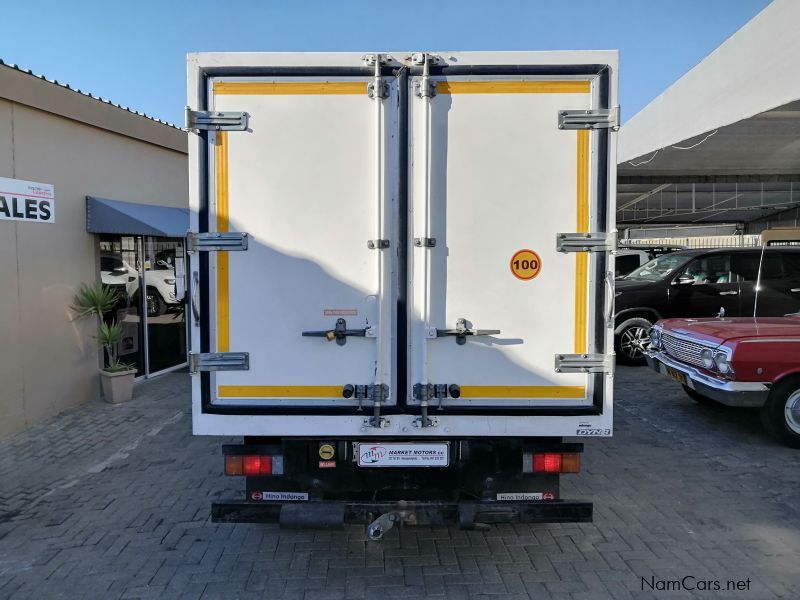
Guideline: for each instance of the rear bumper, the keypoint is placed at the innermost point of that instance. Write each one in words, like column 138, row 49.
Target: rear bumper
column 332, row 515
column 731, row 393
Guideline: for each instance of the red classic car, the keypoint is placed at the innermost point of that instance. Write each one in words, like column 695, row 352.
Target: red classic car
column 738, row 362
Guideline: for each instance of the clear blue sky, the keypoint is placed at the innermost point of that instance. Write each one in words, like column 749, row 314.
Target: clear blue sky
column 133, row 53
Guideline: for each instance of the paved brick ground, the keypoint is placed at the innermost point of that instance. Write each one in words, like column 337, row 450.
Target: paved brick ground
column 112, row 502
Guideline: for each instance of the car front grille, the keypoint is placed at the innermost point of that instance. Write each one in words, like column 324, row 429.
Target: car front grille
column 688, row 352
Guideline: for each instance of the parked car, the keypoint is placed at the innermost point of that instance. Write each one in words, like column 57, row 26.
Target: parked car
column 159, row 282
column 702, row 283
column 743, row 361
column 632, row 256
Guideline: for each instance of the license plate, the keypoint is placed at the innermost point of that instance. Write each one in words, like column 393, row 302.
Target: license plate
column 677, row 375
column 402, row 454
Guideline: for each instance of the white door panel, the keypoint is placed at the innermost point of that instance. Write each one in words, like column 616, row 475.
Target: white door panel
column 310, row 184
column 502, row 178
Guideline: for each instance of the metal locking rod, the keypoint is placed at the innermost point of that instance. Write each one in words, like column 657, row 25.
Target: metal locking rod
column 462, row 331
column 338, row 333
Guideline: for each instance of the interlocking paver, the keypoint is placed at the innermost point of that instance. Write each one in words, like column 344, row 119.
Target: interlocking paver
column 113, row 502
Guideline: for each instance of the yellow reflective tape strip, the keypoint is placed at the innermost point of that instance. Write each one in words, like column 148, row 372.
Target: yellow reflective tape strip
column 522, row 391
column 223, row 306
column 289, row 88
column 582, row 258
column 513, row 87
column 279, row 391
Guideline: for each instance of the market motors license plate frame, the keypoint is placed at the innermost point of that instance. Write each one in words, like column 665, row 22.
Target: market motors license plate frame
column 402, row 454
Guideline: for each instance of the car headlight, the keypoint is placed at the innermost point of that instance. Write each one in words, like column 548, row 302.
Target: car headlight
column 707, row 358
column 169, row 281
column 722, row 363
column 655, row 337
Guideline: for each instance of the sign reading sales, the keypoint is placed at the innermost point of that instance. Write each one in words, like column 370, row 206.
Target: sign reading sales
column 26, row 201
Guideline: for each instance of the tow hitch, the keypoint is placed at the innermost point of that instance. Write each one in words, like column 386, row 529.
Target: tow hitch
column 381, row 525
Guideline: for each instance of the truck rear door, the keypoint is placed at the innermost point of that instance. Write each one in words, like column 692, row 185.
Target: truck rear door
column 494, row 180
column 312, row 181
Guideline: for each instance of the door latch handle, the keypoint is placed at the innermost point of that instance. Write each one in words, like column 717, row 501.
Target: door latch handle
column 731, row 293
column 462, row 331
column 338, row 333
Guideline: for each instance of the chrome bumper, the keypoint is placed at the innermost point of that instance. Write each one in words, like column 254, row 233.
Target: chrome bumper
column 730, row 393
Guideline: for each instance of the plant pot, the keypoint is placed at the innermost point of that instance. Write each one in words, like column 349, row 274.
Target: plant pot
column 117, row 385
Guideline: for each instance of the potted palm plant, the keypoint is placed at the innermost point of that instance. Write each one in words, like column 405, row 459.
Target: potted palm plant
column 97, row 300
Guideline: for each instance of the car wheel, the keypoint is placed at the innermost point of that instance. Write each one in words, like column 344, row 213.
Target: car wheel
column 781, row 412
column 155, row 305
column 698, row 397
column 632, row 338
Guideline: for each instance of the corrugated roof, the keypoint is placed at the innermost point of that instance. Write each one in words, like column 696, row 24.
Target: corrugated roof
column 87, row 94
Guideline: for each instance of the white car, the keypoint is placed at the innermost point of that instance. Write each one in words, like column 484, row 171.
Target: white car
column 159, row 282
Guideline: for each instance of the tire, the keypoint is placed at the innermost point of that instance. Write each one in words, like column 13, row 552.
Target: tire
column 155, row 305
column 697, row 397
column 780, row 414
column 630, row 341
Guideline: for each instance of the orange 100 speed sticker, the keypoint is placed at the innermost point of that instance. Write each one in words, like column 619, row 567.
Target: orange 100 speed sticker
column 525, row 264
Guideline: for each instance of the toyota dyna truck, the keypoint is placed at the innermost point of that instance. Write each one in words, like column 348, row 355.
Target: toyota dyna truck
column 401, row 281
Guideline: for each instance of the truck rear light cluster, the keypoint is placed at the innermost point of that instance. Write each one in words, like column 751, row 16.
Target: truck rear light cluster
column 249, row 464
column 551, row 462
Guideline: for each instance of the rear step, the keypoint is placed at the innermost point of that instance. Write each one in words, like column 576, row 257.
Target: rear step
column 383, row 515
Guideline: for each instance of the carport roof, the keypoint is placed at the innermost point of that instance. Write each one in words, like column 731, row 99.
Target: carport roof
column 722, row 144
column 128, row 218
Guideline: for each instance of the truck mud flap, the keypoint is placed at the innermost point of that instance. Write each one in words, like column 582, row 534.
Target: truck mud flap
column 331, row 515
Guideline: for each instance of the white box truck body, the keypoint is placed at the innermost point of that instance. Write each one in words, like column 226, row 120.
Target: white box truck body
column 401, row 276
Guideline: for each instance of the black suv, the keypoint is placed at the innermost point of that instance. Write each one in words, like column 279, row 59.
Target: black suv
column 699, row 283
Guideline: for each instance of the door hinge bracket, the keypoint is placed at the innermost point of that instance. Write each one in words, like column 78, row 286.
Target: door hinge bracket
column 586, row 242
column 219, row 361
column 584, row 363
column 425, row 242
column 420, row 422
column 425, row 392
column 216, row 241
column 374, row 392
column 377, row 244
column 214, row 120
column 599, row 118
column 382, row 87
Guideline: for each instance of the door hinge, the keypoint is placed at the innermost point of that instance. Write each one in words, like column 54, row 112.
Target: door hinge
column 584, row 363
column 586, row 242
column 599, row 118
column 219, row 361
column 216, row 241
column 423, row 242
column 377, row 244
column 214, row 120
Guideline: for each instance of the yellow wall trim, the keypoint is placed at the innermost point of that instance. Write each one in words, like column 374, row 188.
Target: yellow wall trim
column 522, row 391
column 223, row 305
column 582, row 258
column 513, row 87
column 289, row 88
column 280, row 391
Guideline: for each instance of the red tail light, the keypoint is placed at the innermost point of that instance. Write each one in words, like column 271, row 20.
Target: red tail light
column 552, row 462
column 547, row 463
column 253, row 465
